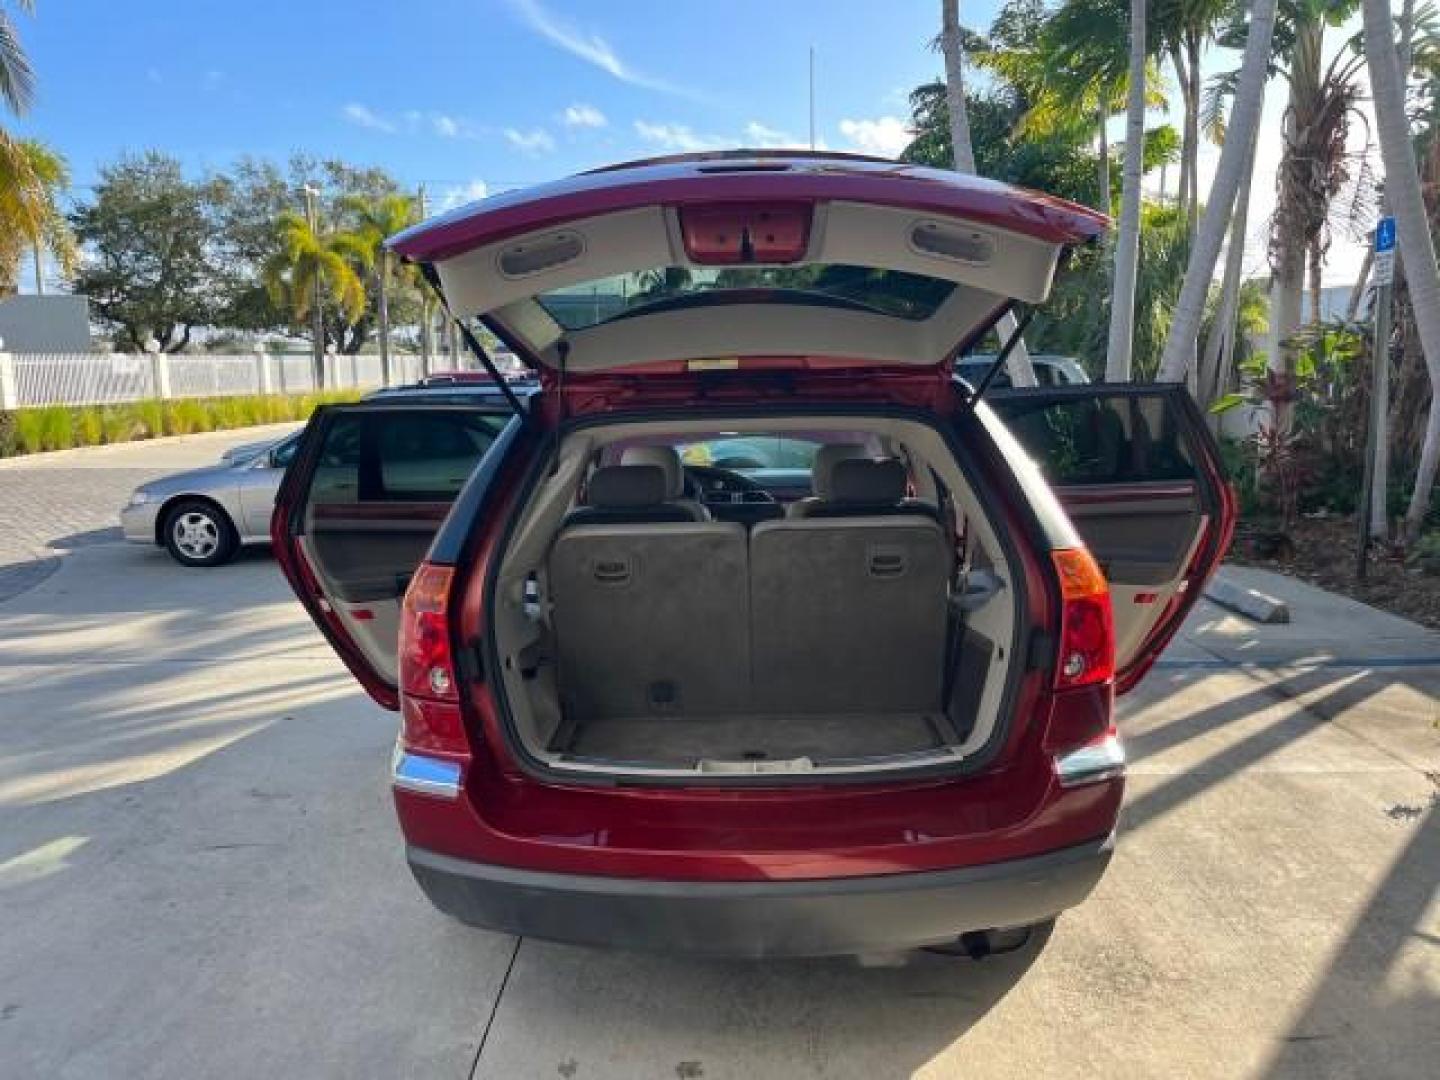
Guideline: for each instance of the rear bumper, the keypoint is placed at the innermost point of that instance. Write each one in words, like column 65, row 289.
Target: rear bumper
column 882, row 913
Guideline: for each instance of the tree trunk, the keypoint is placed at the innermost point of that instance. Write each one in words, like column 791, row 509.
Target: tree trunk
column 39, row 268
column 382, row 288
column 1357, row 293
column 1102, row 172
column 1180, row 345
column 1022, row 372
column 964, row 152
column 1127, row 242
column 1215, row 366
column 1183, row 191
column 1192, row 125
column 1402, row 188
column 1317, row 289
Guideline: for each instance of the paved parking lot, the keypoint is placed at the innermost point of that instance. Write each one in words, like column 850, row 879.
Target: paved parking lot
column 200, row 874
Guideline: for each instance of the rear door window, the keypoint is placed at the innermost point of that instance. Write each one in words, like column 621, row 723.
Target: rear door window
column 401, row 457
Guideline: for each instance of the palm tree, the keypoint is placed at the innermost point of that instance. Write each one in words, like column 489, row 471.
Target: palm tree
column 1127, row 242
column 310, row 264
column 1179, row 354
column 1314, row 166
column 376, row 219
column 1407, row 203
column 31, row 222
column 17, row 77
column 1022, row 372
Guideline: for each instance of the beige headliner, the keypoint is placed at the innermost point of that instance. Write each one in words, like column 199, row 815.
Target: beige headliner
column 1011, row 266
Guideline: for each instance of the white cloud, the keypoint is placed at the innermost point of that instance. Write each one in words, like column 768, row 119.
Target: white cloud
column 447, row 127
column 762, row 137
column 460, row 194
column 212, row 80
column 535, row 141
column 367, row 118
column 677, row 137
column 884, row 136
column 588, row 46
column 584, row 116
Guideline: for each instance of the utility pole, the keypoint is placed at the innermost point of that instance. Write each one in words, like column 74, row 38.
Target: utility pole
column 317, row 311
column 426, row 346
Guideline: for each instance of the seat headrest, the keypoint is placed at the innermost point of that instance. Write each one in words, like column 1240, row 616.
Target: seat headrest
column 619, row 487
column 666, row 458
column 874, row 483
column 822, row 469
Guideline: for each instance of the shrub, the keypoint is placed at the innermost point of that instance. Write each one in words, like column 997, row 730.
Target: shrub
column 150, row 419
column 9, row 435
column 89, row 428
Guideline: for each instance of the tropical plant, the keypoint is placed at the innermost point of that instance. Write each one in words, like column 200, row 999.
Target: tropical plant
column 17, row 77
column 376, row 219
column 32, row 176
column 313, row 264
column 1181, row 344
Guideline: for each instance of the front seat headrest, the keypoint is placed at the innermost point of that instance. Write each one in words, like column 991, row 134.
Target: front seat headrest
column 665, row 458
column 623, row 487
column 822, row 469
column 872, row 483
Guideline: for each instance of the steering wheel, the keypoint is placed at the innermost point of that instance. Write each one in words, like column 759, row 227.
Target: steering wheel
column 712, row 484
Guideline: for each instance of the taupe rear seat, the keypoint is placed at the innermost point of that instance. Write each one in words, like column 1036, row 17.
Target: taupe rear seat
column 849, row 613
column 650, row 617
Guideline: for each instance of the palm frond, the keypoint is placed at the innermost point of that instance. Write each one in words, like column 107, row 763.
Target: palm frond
column 17, row 77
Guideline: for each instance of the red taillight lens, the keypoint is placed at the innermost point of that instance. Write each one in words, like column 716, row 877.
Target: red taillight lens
column 1087, row 634
column 427, row 669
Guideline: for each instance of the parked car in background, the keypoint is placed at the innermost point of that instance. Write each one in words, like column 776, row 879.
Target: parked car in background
column 1050, row 370
column 756, row 632
column 202, row 517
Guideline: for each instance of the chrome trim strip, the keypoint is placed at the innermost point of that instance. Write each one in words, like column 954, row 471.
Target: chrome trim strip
column 424, row 775
column 1103, row 760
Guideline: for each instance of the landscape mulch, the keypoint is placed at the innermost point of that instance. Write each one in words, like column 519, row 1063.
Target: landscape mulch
column 1322, row 552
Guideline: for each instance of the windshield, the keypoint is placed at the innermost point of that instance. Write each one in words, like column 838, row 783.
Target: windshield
column 888, row 292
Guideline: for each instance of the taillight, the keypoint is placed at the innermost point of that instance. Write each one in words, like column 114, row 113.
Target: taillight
column 429, row 699
column 1087, row 626
column 426, row 666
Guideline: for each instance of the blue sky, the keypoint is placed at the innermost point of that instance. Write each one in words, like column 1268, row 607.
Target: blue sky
column 470, row 96
column 479, row 96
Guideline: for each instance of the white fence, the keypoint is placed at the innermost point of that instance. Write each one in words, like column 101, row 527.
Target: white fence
column 31, row 379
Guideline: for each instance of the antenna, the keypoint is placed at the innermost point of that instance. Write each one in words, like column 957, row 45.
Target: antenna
column 812, row 97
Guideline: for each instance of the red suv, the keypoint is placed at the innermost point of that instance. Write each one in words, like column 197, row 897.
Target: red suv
column 751, row 631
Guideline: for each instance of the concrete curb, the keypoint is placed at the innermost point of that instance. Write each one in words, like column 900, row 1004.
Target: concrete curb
column 1251, row 603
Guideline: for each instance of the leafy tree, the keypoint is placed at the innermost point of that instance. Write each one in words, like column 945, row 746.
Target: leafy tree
column 148, row 267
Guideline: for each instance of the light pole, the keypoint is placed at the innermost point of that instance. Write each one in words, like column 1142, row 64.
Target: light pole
column 317, row 312
column 426, row 312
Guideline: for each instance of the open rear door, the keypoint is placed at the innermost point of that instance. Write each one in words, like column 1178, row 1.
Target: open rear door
column 1140, row 477
column 359, row 507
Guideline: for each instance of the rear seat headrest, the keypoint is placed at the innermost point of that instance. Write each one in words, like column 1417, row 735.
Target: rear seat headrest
column 822, row 469
column 624, row 486
column 666, row 458
column 874, row 483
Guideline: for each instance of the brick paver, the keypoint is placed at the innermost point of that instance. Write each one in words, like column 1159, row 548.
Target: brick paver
column 53, row 503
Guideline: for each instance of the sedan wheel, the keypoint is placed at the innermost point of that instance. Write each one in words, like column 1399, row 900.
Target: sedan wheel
column 198, row 534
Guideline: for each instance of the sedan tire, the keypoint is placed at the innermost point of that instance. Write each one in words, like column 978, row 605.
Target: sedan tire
column 199, row 533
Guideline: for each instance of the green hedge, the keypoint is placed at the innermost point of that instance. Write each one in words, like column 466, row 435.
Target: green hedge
column 59, row 427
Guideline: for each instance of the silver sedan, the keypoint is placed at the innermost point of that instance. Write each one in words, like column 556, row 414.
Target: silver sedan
column 203, row 516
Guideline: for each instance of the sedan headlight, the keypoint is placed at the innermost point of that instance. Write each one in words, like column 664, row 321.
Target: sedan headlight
column 139, row 497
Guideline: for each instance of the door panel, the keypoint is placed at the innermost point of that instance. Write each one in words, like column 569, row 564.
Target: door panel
column 369, row 488
column 1140, row 477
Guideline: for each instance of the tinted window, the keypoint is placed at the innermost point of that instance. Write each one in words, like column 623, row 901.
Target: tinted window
column 402, row 457
column 1098, row 439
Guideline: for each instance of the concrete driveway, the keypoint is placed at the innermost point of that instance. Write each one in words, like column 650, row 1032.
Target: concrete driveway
column 200, row 874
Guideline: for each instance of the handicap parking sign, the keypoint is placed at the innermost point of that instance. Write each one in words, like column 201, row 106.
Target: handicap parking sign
column 1385, row 235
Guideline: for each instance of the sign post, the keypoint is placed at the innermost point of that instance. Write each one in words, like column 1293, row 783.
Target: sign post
column 1372, row 512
